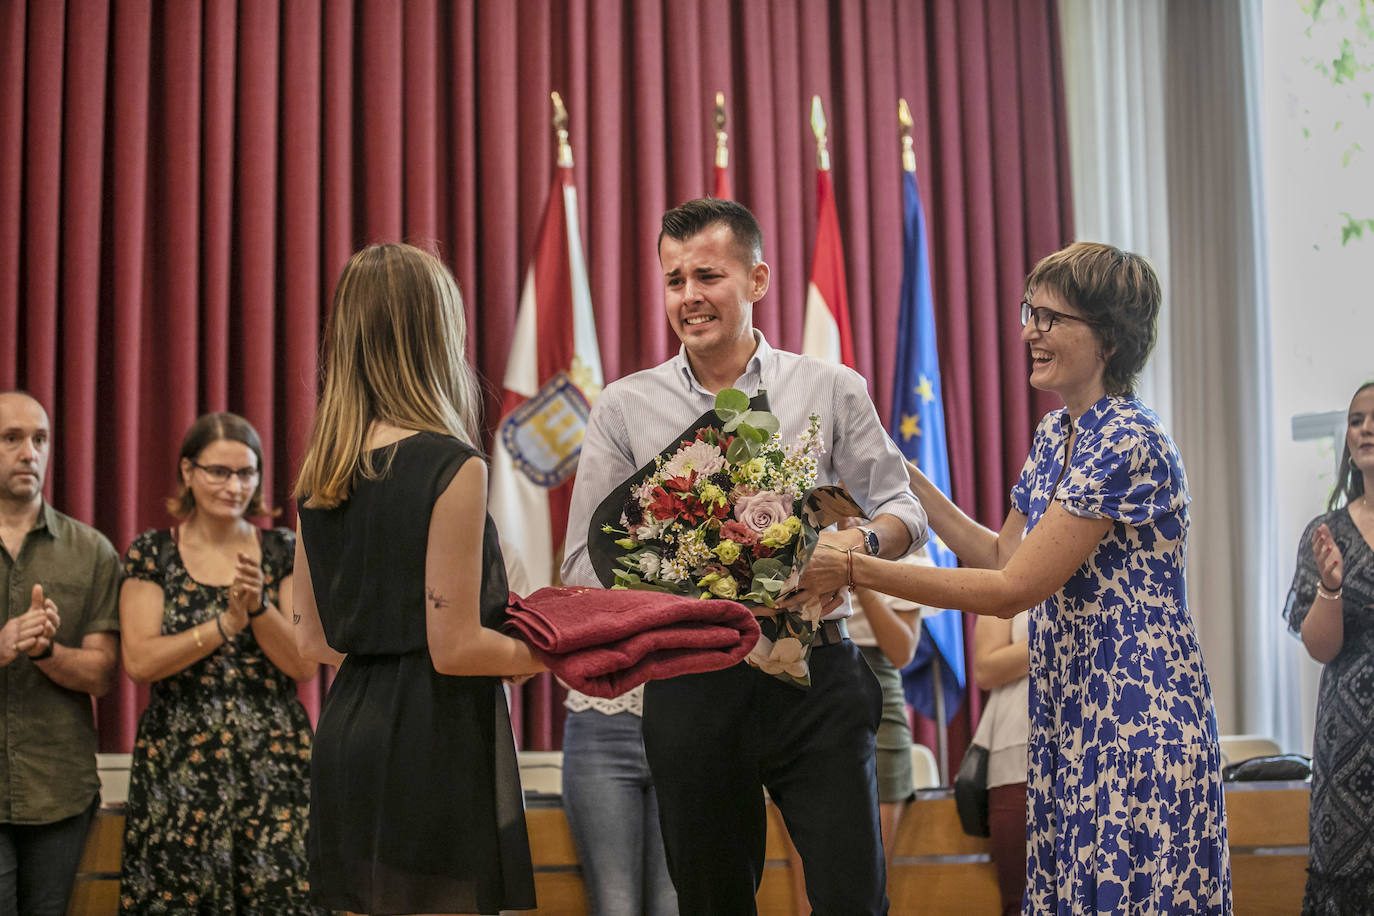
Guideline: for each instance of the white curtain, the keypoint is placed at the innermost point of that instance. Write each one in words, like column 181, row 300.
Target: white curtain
column 1164, row 119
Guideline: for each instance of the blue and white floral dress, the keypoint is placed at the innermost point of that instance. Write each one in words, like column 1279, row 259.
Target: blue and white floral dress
column 1124, row 794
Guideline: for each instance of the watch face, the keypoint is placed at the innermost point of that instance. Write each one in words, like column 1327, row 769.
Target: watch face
column 870, row 541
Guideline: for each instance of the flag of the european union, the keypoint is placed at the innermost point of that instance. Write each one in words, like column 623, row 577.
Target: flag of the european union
column 918, row 427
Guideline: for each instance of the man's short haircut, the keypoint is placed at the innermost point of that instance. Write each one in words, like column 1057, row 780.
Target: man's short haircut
column 695, row 216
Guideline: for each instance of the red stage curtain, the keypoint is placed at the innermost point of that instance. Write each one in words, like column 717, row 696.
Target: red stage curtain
column 181, row 182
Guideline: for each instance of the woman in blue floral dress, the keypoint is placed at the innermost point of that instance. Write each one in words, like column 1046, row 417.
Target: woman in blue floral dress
column 219, row 787
column 1329, row 607
column 1124, row 798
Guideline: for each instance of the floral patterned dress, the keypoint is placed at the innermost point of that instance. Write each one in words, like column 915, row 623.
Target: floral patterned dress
column 1340, row 874
column 219, row 788
column 1124, row 799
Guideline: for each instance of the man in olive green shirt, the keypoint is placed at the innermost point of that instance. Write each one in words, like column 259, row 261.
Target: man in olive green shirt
column 59, row 584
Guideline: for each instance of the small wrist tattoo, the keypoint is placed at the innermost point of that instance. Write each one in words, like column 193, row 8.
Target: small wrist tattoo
column 436, row 599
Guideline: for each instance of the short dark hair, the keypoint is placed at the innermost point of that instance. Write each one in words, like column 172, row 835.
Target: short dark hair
column 1349, row 480
column 695, row 216
column 207, row 429
column 1117, row 293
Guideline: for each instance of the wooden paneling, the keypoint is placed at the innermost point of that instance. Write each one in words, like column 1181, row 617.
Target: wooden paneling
column 937, row 869
column 1267, row 817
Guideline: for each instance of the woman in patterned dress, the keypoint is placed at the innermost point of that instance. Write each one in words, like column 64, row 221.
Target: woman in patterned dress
column 219, row 787
column 1329, row 606
column 1124, row 806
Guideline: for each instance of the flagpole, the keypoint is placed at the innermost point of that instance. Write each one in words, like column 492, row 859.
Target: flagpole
column 818, row 127
column 937, row 682
column 722, row 185
column 722, row 147
column 937, row 686
column 560, row 126
column 906, row 125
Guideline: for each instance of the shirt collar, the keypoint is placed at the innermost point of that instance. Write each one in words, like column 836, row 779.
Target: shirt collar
column 756, row 372
column 47, row 520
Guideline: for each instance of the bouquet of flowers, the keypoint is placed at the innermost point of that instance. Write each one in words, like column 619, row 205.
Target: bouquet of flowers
column 719, row 514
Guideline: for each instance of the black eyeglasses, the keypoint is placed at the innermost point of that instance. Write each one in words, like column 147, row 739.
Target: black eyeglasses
column 218, row 473
column 1044, row 317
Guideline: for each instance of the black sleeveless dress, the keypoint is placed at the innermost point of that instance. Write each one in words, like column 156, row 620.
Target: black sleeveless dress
column 415, row 797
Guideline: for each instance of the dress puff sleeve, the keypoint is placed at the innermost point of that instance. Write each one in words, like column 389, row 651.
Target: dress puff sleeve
column 1126, row 473
column 143, row 558
column 278, row 554
column 1303, row 591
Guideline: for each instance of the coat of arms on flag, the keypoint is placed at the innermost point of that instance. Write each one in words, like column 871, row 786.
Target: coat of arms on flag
column 543, row 435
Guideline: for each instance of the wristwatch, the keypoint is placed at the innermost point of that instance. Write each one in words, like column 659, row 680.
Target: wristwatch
column 870, row 540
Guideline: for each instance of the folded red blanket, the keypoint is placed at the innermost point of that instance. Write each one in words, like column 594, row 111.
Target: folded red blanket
column 603, row 642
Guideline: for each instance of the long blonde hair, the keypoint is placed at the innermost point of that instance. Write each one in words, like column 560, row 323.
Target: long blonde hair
column 394, row 353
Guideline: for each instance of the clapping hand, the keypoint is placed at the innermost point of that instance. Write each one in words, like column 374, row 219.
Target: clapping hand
column 32, row 632
column 1330, row 563
column 245, row 594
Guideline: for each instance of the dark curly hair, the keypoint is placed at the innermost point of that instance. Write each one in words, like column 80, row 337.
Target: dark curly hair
column 689, row 219
column 1117, row 293
column 1349, row 480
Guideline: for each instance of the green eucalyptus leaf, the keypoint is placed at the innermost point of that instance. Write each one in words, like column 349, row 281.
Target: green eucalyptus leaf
column 754, row 435
column 738, row 452
column 769, row 568
column 763, row 421
column 732, row 399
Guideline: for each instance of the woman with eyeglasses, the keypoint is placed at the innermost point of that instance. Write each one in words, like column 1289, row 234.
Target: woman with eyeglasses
column 219, row 787
column 1329, row 608
column 1124, row 793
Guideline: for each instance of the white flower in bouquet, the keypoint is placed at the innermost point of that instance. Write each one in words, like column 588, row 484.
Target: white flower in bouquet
column 652, row 529
column 785, row 656
column 702, row 457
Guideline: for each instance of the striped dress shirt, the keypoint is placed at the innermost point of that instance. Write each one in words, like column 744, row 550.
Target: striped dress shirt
column 637, row 416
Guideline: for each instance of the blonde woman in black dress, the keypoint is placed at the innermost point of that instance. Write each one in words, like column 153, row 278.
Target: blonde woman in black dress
column 415, row 797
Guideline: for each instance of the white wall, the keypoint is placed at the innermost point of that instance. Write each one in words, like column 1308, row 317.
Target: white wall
column 1322, row 299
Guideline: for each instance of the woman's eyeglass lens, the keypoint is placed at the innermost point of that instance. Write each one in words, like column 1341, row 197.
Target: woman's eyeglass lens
column 218, row 473
column 1044, row 317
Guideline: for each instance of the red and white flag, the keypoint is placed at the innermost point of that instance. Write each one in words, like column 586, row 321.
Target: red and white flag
column 553, row 375
column 825, row 333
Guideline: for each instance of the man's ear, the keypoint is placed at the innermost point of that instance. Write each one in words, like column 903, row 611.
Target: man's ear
column 758, row 281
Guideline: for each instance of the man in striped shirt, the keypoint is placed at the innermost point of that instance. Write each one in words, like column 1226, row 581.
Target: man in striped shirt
column 713, row 740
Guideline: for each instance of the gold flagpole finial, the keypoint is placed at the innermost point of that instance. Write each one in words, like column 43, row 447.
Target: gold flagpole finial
column 722, row 147
column 908, row 151
column 822, row 140
column 560, row 126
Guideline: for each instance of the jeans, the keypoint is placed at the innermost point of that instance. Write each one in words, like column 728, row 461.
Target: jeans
column 609, row 800
column 38, row 864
